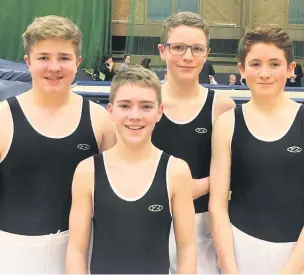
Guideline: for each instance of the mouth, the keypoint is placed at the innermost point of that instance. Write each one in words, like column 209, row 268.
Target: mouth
column 53, row 78
column 135, row 128
column 186, row 67
column 265, row 83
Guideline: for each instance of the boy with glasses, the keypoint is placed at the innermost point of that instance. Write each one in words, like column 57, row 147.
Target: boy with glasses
column 189, row 112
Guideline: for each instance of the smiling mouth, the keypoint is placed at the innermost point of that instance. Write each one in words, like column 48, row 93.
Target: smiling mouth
column 135, row 128
column 185, row 67
column 54, row 78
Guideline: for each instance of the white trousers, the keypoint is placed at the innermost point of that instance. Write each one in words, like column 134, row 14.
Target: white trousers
column 44, row 254
column 207, row 262
column 258, row 256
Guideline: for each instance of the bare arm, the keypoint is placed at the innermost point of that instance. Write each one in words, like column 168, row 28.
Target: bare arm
column 223, row 103
column 295, row 264
column 181, row 182
column 108, row 134
column 103, row 126
column 219, row 192
column 6, row 128
column 80, row 219
column 201, row 187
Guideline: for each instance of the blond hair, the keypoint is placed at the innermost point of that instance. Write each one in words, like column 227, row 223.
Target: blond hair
column 139, row 76
column 269, row 35
column 52, row 26
column 185, row 18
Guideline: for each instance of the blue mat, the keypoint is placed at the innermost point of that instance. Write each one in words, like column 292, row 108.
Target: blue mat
column 14, row 71
column 12, row 88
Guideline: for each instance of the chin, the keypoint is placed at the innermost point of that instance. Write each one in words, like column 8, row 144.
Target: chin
column 135, row 141
column 55, row 89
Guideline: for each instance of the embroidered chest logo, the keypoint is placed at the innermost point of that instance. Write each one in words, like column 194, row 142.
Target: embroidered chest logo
column 201, row 130
column 294, row 149
column 83, row 147
column 155, row 208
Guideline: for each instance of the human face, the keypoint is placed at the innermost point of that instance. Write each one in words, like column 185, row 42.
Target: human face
column 128, row 59
column 232, row 80
column 53, row 65
column 266, row 69
column 184, row 67
column 135, row 111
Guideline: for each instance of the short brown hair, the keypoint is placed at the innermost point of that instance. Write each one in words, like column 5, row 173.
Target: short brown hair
column 52, row 26
column 139, row 76
column 269, row 35
column 185, row 18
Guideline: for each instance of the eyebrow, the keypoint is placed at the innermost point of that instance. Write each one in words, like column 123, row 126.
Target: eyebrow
column 62, row 54
column 129, row 101
column 272, row 59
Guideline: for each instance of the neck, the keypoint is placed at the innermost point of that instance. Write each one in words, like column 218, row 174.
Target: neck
column 50, row 100
column 270, row 105
column 181, row 89
column 131, row 153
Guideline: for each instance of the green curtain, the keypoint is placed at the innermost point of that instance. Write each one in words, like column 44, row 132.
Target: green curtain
column 92, row 16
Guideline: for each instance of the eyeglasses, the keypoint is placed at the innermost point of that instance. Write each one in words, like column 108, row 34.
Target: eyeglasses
column 180, row 49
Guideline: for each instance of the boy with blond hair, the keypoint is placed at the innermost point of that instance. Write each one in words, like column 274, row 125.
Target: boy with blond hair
column 44, row 134
column 132, row 191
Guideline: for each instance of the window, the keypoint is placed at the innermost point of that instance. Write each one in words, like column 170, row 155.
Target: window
column 187, row 5
column 159, row 9
column 296, row 12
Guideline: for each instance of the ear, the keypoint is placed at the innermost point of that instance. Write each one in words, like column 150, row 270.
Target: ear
column 242, row 70
column 160, row 112
column 208, row 52
column 162, row 51
column 79, row 60
column 110, row 108
column 27, row 60
column 291, row 68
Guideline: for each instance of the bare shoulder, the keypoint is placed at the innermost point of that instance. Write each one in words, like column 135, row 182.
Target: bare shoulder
column 223, row 127
column 103, row 126
column 178, row 166
column 4, row 108
column 225, row 120
column 83, row 181
column 5, row 115
column 179, row 173
column 222, row 103
column 85, row 167
column 98, row 110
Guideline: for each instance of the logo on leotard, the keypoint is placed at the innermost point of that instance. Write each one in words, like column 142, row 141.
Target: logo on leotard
column 155, row 208
column 201, row 130
column 294, row 149
column 83, row 147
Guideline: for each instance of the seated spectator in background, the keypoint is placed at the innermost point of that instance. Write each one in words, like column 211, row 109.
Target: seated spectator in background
column 105, row 71
column 205, row 72
column 233, row 80
column 165, row 78
column 295, row 80
column 146, row 63
column 212, row 79
column 243, row 81
column 126, row 64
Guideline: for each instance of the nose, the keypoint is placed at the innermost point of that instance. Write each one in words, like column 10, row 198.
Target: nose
column 135, row 113
column 264, row 72
column 54, row 65
column 188, row 54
